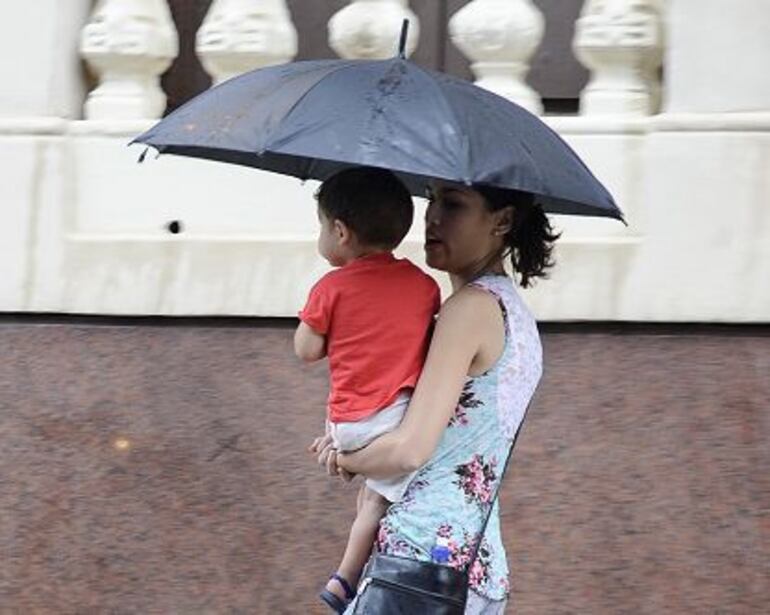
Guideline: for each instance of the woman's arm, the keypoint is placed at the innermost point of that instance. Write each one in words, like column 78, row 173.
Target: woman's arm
column 456, row 341
column 309, row 345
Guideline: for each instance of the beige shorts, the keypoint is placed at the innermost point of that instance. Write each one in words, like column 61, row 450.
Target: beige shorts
column 348, row 437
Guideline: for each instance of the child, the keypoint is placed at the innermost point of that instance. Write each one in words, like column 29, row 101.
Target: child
column 373, row 317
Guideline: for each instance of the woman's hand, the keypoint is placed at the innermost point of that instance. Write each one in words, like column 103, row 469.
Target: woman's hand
column 327, row 457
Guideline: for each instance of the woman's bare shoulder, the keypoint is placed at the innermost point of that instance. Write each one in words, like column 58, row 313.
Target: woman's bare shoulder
column 476, row 313
column 471, row 302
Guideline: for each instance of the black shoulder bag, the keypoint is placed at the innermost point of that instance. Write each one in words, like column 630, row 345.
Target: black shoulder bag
column 396, row 585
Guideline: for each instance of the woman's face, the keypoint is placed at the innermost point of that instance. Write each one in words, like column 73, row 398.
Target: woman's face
column 460, row 232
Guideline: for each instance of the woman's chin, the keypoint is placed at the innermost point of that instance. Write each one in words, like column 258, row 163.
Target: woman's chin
column 433, row 259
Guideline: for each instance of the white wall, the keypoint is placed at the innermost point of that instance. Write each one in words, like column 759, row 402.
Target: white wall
column 88, row 229
column 698, row 243
column 718, row 56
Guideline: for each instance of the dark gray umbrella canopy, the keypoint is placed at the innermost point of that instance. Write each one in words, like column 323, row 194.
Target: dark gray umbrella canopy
column 313, row 119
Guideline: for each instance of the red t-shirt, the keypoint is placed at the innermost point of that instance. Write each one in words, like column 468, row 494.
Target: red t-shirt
column 377, row 314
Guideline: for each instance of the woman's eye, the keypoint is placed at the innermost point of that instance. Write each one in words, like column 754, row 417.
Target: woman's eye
column 450, row 204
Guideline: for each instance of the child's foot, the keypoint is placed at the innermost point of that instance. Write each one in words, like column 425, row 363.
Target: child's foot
column 337, row 593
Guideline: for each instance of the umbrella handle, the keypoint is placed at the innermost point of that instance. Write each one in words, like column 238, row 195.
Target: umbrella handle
column 402, row 41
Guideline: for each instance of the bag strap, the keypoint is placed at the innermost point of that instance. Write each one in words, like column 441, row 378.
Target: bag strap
column 477, row 546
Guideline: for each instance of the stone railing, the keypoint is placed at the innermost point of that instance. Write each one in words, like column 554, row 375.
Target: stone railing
column 129, row 43
column 91, row 231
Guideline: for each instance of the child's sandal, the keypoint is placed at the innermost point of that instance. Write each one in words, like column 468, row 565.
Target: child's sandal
column 333, row 600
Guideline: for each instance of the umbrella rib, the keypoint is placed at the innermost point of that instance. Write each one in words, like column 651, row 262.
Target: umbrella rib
column 466, row 149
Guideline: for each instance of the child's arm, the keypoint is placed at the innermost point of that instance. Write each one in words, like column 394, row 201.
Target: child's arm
column 309, row 345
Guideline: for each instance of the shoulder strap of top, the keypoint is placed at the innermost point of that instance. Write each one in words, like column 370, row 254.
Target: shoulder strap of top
column 499, row 286
column 491, row 282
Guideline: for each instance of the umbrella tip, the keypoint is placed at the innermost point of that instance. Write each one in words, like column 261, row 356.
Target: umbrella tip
column 402, row 41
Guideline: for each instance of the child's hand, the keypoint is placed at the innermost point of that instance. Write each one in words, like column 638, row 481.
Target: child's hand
column 327, row 454
column 327, row 457
column 320, row 444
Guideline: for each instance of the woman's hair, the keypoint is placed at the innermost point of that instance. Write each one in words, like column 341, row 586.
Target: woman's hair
column 372, row 202
column 530, row 240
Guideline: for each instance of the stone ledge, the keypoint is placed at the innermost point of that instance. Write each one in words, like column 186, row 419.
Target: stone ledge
column 33, row 126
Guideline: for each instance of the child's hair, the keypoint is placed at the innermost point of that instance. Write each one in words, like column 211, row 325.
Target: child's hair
column 531, row 238
column 372, row 202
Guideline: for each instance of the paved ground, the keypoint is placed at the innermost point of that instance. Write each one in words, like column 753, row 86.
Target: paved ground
column 160, row 469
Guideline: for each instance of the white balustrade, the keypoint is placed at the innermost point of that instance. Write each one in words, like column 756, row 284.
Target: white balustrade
column 621, row 42
column 370, row 29
column 499, row 37
column 41, row 71
column 128, row 44
column 241, row 35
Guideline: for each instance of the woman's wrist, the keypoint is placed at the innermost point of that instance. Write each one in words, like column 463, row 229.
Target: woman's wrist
column 342, row 461
column 342, row 470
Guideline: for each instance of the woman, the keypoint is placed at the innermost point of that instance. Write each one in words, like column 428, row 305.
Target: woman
column 483, row 366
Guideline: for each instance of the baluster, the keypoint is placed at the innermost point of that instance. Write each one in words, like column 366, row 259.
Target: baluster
column 621, row 42
column 128, row 44
column 370, row 29
column 499, row 38
column 240, row 35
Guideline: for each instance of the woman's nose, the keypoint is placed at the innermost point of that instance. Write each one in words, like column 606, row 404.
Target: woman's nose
column 431, row 215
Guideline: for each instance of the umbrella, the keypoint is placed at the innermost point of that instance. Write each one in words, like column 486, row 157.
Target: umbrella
column 312, row 119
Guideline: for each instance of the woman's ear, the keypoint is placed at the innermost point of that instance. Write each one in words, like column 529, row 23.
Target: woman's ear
column 503, row 221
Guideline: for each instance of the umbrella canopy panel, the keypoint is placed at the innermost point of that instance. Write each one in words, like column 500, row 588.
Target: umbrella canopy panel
column 313, row 119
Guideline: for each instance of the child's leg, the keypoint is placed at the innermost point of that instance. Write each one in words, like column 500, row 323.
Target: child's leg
column 371, row 508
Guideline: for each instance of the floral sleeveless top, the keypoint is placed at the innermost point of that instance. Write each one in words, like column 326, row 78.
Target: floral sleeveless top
column 450, row 496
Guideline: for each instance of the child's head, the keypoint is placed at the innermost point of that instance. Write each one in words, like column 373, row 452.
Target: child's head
column 370, row 204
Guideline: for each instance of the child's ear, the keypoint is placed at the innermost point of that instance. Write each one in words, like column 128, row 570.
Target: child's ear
column 342, row 232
